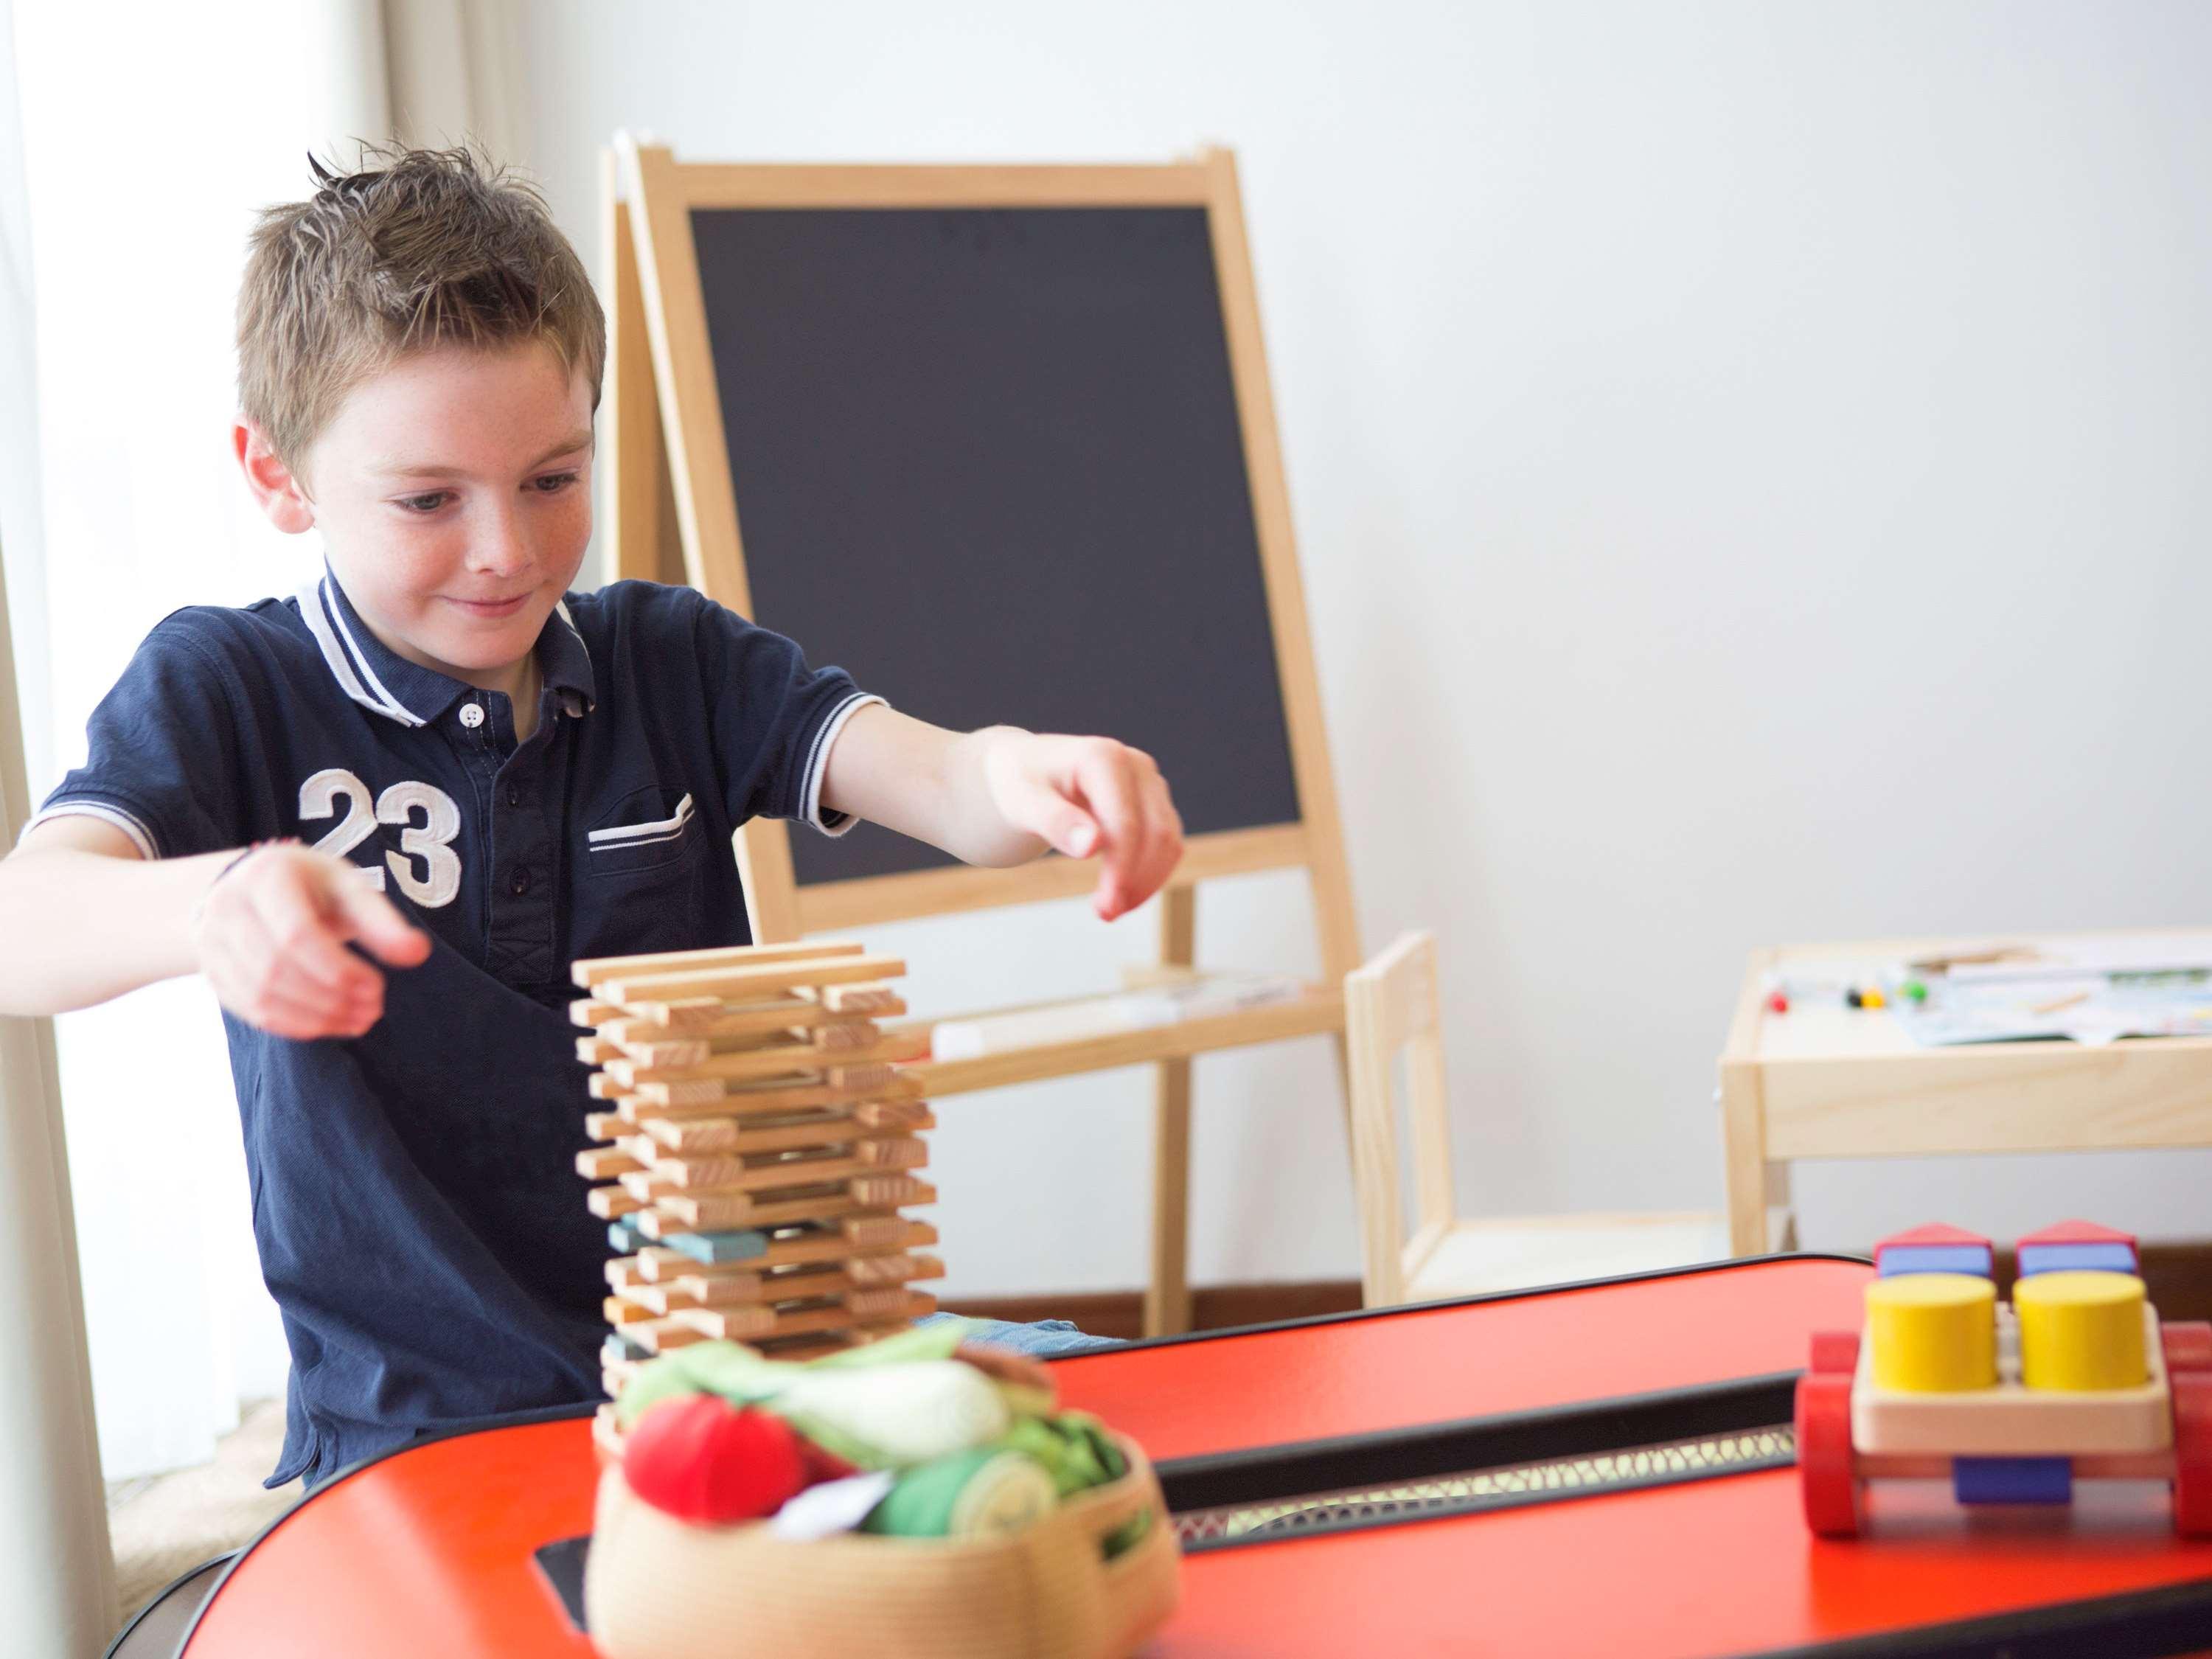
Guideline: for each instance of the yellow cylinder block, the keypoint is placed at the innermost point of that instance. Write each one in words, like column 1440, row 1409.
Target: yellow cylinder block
column 1933, row 1333
column 2081, row 1332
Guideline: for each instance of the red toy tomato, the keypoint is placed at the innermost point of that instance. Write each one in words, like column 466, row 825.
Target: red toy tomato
column 703, row 1460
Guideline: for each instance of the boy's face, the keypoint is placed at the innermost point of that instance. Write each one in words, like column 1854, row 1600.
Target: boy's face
column 454, row 493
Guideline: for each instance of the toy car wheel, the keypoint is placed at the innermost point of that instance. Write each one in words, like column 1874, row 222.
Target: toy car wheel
column 2192, row 1453
column 1835, row 1351
column 2188, row 1345
column 1830, row 1490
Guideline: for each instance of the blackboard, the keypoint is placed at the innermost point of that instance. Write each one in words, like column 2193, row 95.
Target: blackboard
column 988, row 460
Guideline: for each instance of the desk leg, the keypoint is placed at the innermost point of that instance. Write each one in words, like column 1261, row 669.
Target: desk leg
column 1744, row 1139
column 1167, row 1299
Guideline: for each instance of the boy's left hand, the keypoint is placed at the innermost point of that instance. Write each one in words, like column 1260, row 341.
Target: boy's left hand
column 1086, row 796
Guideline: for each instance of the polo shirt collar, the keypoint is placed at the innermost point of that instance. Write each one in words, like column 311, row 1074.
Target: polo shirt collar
column 381, row 680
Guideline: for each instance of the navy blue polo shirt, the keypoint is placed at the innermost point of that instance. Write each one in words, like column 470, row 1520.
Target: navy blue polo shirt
column 416, row 1202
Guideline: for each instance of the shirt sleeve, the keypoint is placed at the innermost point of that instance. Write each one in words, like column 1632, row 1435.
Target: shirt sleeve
column 162, row 760
column 774, row 718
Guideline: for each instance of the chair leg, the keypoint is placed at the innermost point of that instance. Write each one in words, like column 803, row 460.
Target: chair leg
column 1167, row 1297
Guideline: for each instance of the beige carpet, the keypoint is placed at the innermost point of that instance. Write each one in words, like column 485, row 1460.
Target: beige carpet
column 167, row 1524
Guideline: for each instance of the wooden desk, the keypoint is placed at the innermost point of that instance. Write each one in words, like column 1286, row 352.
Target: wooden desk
column 1833, row 1081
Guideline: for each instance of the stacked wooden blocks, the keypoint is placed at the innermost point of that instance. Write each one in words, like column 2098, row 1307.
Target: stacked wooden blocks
column 759, row 1142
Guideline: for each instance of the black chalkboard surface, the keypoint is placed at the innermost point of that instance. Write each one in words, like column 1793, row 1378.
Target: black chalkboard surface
column 989, row 461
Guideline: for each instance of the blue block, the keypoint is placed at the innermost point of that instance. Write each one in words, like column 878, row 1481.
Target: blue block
column 626, row 1238
column 2070, row 1258
column 618, row 1346
column 1936, row 1259
column 718, row 1247
column 2012, row 1479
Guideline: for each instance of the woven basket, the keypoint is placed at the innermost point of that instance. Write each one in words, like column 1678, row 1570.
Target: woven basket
column 659, row 1588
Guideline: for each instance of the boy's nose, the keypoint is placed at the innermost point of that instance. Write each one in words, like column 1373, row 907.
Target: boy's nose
column 498, row 545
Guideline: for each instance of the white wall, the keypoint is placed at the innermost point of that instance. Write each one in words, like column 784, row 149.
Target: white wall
column 1748, row 465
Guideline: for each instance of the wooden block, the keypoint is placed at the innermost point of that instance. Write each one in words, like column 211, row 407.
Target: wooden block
column 596, row 1050
column 862, row 999
column 895, row 1302
column 894, row 1114
column 626, row 1270
column 659, row 1335
column 717, row 957
column 647, row 1185
column 765, row 1171
column 893, row 1152
column 608, row 1202
column 589, row 1010
column 621, row 1312
column 604, row 1126
column 693, row 1137
column 876, row 1234
column 717, row 1099
column 868, row 1232
column 779, row 1013
column 872, row 1270
column 879, row 1192
column 858, row 1079
column 600, row 1086
column 731, row 984
column 2012, row 1420
column 746, row 1324
column 600, row 1163
column 847, row 1034
column 680, row 1213
column 763, row 1059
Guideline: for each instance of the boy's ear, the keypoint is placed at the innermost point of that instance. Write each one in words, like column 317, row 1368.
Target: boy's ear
column 273, row 484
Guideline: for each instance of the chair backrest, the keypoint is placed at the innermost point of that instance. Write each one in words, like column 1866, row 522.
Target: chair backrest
column 1390, row 1006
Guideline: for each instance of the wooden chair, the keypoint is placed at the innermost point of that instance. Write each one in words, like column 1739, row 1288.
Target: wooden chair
column 1390, row 1005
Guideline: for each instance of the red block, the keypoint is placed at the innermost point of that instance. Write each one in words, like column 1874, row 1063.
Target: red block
column 1935, row 1233
column 2080, row 1232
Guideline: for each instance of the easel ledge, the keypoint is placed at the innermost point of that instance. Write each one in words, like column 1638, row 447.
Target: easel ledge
column 676, row 518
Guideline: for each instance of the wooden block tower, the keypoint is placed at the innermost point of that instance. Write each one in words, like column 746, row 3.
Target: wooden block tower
column 760, row 1141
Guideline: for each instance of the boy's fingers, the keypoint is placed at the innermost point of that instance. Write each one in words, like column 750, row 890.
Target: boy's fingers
column 371, row 920
column 1064, row 825
column 251, row 983
column 1106, row 777
column 305, row 940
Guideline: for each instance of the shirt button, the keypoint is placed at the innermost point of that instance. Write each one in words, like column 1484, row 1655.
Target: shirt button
column 514, row 796
column 472, row 715
column 519, row 883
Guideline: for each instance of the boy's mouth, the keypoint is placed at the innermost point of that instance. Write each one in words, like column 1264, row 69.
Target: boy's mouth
column 494, row 607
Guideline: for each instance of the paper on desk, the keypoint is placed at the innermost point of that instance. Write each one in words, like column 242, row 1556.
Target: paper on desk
column 2093, row 1009
column 2095, row 953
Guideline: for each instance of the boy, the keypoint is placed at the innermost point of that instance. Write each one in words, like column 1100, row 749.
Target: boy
column 435, row 760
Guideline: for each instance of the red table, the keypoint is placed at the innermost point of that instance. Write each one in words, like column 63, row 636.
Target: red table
column 428, row 1553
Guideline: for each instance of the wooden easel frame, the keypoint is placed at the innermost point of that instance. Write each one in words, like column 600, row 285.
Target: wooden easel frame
column 675, row 519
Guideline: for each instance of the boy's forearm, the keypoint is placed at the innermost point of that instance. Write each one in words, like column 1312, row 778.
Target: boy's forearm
column 925, row 782
column 83, row 927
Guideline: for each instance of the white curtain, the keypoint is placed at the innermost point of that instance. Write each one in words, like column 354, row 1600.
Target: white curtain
column 143, row 170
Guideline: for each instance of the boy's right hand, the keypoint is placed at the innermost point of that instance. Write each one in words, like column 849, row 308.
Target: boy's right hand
column 271, row 936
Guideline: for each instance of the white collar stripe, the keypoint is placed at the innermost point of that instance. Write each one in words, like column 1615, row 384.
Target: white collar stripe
column 398, row 710
column 318, row 619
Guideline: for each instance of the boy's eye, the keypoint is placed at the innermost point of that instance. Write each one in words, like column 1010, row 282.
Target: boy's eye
column 552, row 483
column 429, row 501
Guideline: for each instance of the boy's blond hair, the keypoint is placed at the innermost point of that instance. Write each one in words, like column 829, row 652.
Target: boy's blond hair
column 422, row 247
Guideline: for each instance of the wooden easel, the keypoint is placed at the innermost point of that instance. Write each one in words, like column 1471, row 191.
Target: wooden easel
column 675, row 520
